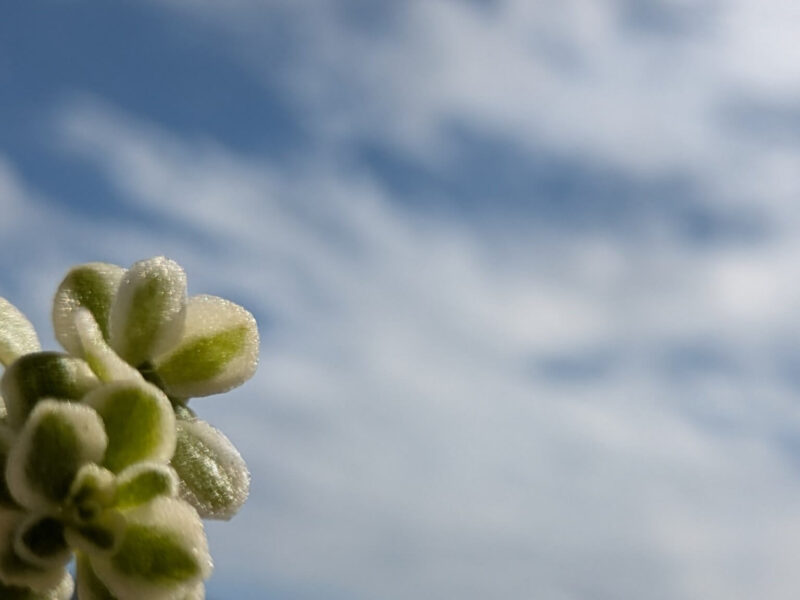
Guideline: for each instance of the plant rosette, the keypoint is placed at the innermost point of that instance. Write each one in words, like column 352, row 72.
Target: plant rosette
column 103, row 459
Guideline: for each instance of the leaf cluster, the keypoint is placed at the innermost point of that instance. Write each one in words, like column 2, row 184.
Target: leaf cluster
column 101, row 457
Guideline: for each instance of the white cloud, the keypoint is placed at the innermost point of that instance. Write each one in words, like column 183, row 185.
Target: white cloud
column 402, row 438
column 571, row 75
column 407, row 433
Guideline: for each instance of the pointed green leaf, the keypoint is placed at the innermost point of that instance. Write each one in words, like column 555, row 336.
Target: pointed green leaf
column 149, row 309
column 39, row 540
column 139, row 421
column 218, row 350
column 142, row 482
column 91, row 286
column 213, row 476
column 89, row 585
column 56, row 441
column 43, row 375
column 17, row 335
column 105, row 363
column 14, row 571
column 163, row 554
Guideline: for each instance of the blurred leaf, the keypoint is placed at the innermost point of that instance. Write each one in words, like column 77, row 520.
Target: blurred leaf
column 17, row 335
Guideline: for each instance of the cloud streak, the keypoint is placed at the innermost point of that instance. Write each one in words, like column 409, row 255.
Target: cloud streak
column 492, row 406
column 405, row 432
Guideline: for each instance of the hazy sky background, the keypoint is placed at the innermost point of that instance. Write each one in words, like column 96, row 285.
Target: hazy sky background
column 526, row 273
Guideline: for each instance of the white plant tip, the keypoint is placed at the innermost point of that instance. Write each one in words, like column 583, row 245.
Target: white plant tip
column 214, row 477
column 90, row 286
column 17, row 335
column 163, row 554
column 148, row 311
column 57, row 440
column 217, row 352
column 105, row 363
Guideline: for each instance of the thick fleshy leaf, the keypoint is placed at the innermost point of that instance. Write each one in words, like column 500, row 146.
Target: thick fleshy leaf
column 6, row 439
column 89, row 585
column 218, row 350
column 139, row 421
column 43, row 375
column 105, row 363
column 17, row 335
column 91, row 286
column 142, row 482
column 14, row 571
column 63, row 591
column 39, row 540
column 57, row 440
column 213, row 476
column 149, row 309
column 196, row 593
column 100, row 536
column 91, row 492
column 163, row 554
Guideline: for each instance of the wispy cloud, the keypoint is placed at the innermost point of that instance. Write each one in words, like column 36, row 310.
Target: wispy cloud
column 407, row 430
column 637, row 83
column 496, row 406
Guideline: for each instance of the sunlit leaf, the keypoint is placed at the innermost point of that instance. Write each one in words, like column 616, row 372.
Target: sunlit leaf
column 148, row 311
column 91, row 286
column 43, row 375
column 142, row 482
column 213, row 476
column 56, row 441
column 105, row 363
column 162, row 556
column 218, row 350
column 17, row 335
column 139, row 421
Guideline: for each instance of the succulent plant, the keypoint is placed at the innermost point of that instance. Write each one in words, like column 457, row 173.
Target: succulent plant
column 101, row 457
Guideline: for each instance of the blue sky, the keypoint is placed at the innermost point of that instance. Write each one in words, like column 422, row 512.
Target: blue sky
column 526, row 274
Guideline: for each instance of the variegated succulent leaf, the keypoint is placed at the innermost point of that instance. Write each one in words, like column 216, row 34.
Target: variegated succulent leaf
column 15, row 571
column 101, row 456
column 40, row 375
column 148, row 311
column 213, row 476
column 104, row 362
column 217, row 351
column 138, row 420
column 17, row 335
column 163, row 553
column 90, row 287
column 57, row 440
